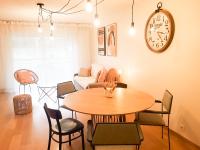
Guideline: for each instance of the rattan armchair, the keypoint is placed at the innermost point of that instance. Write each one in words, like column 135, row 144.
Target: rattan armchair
column 25, row 77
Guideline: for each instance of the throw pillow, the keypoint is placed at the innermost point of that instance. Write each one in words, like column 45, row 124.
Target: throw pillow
column 84, row 72
column 25, row 77
column 112, row 75
column 97, row 77
column 102, row 75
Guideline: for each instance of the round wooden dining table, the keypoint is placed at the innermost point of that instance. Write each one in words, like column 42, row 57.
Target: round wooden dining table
column 95, row 102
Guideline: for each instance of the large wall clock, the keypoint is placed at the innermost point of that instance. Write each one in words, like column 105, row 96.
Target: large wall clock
column 159, row 30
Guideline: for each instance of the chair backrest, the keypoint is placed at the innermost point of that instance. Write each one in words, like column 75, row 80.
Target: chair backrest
column 117, row 134
column 53, row 114
column 65, row 88
column 167, row 101
column 121, row 85
column 25, row 76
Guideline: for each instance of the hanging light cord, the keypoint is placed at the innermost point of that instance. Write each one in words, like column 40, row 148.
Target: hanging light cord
column 64, row 6
column 74, row 6
column 66, row 12
column 132, row 10
column 96, row 7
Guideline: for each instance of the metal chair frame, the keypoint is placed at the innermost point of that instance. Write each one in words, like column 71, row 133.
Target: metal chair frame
column 162, row 113
column 33, row 75
column 57, row 116
column 63, row 89
column 123, row 128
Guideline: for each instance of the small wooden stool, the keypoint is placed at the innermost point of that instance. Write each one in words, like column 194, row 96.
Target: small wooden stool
column 22, row 104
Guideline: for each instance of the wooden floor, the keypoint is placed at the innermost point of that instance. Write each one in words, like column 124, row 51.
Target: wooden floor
column 30, row 132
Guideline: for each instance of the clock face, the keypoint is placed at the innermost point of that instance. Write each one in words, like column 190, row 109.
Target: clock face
column 159, row 30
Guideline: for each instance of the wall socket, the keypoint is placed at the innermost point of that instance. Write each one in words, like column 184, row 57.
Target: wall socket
column 182, row 126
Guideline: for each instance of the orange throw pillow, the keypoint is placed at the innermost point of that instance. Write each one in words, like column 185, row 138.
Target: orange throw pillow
column 25, row 77
column 84, row 72
column 102, row 75
column 97, row 77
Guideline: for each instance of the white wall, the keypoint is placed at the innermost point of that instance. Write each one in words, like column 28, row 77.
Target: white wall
column 176, row 69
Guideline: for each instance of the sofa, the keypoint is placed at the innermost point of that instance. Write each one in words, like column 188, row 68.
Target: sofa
column 95, row 76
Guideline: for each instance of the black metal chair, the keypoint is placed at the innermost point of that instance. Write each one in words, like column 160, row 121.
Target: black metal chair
column 63, row 127
column 95, row 119
column 121, row 85
column 104, row 118
column 63, row 89
column 117, row 134
column 155, row 117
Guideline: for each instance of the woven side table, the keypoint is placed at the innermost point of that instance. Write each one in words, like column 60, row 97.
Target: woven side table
column 22, row 104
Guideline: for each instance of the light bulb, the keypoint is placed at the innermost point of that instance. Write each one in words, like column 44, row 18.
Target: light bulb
column 52, row 27
column 96, row 20
column 39, row 28
column 132, row 29
column 88, row 6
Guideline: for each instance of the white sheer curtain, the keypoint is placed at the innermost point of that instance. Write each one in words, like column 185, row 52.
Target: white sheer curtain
column 21, row 46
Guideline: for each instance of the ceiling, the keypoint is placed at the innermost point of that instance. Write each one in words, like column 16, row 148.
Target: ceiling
column 27, row 10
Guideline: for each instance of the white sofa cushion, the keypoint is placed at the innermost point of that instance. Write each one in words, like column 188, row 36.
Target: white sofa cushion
column 84, row 81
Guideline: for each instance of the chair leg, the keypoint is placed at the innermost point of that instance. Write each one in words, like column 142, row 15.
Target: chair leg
column 24, row 89
column 137, row 147
column 49, row 142
column 19, row 88
column 69, row 139
column 162, row 132
column 168, row 133
column 93, row 147
column 169, row 137
column 83, row 143
column 75, row 115
column 30, row 87
column 72, row 114
column 60, row 142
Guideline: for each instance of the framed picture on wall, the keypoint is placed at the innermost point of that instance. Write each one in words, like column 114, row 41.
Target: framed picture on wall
column 111, row 40
column 101, row 41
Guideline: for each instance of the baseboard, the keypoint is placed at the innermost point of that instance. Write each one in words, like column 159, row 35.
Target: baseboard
column 187, row 140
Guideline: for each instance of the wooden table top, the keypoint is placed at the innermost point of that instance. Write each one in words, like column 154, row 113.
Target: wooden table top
column 93, row 101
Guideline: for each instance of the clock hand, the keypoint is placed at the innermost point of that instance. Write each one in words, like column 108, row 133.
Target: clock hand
column 160, row 35
column 159, row 32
